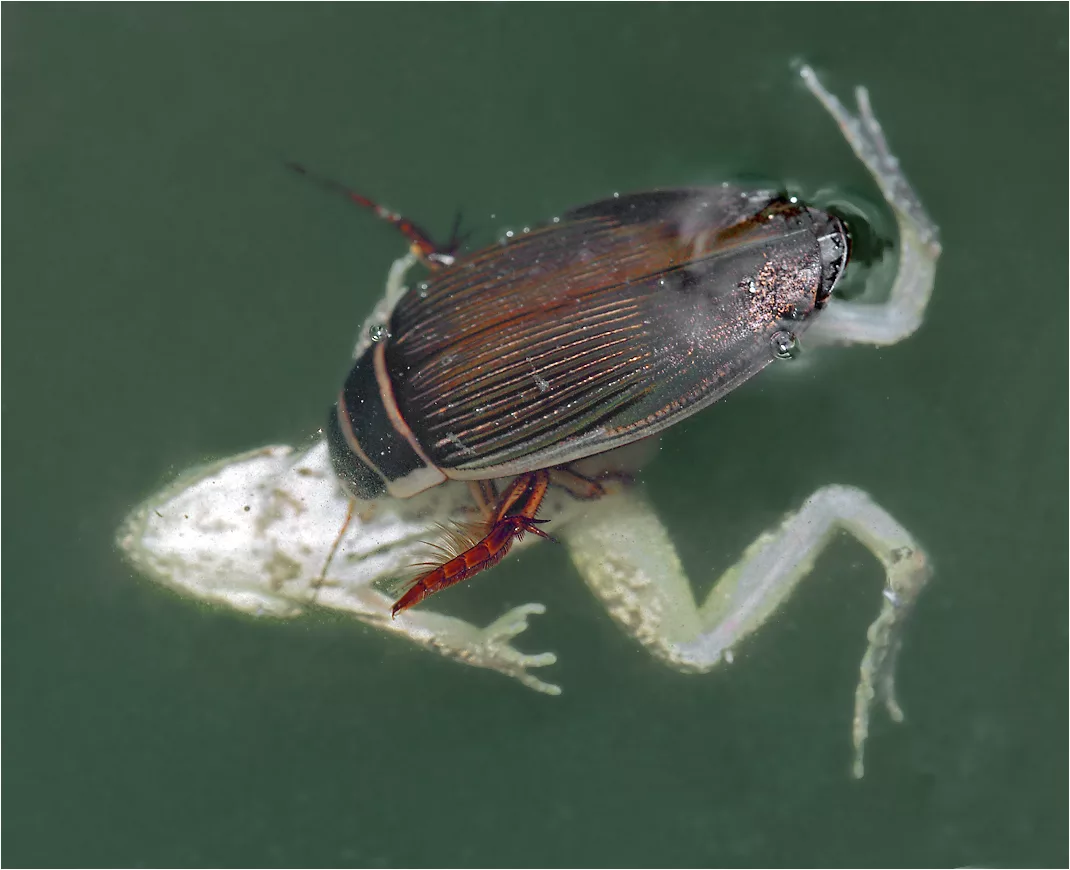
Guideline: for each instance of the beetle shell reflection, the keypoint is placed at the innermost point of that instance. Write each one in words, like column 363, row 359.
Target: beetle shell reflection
column 604, row 327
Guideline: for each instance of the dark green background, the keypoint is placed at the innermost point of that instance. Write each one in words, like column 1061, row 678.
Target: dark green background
column 171, row 293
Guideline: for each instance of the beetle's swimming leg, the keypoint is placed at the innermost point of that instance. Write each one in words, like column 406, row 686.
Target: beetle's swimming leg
column 512, row 519
column 625, row 555
column 433, row 256
column 849, row 322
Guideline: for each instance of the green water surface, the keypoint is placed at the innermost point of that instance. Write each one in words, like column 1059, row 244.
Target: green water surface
column 172, row 294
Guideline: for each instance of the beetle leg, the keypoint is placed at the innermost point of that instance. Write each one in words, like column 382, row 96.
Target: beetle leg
column 576, row 485
column 625, row 555
column 534, row 480
column 319, row 581
column 433, row 256
column 485, row 495
column 850, row 322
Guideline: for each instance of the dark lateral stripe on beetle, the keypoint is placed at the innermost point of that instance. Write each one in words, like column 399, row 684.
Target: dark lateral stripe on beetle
column 371, row 433
column 354, row 469
column 619, row 319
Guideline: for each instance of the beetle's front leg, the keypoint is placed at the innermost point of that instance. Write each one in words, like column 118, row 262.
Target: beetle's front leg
column 850, row 322
column 625, row 555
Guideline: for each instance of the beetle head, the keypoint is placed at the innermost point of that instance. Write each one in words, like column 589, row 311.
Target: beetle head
column 835, row 244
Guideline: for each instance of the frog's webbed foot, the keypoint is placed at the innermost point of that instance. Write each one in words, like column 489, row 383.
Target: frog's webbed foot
column 849, row 322
column 625, row 555
column 907, row 570
column 496, row 638
column 772, row 567
column 488, row 647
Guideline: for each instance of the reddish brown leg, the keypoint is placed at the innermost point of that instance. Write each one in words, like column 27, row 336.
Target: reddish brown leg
column 523, row 496
column 531, row 486
column 433, row 256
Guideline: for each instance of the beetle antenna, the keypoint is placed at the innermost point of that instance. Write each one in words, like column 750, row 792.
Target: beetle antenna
column 457, row 238
column 433, row 256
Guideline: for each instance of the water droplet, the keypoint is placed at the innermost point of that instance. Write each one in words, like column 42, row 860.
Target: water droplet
column 784, row 344
column 527, row 229
column 557, row 220
column 794, row 200
column 377, row 332
column 616, row 195
column 508, row 234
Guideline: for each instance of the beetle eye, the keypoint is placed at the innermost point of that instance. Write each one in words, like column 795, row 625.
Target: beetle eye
column 835, row 250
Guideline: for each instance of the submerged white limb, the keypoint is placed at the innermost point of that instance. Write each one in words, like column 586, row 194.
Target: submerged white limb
column 888, row 322
column 379, row 319
column 252, row 532
column 628, row 560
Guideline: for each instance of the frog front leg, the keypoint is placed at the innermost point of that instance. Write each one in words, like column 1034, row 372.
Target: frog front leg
column 482, row 647
column 626, row 557
column 897, row 317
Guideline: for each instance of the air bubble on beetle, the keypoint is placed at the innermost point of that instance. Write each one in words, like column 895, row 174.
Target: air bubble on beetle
column 377, row 332
column 556, row 220
column 785, row 346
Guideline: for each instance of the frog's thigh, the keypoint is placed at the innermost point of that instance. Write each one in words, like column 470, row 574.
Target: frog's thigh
column 625, row 555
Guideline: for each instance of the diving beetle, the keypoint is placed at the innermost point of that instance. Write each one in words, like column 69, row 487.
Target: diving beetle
column 598, row 329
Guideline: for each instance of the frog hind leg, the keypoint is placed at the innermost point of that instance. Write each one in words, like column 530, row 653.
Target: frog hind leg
column 625, row 555
column 900, row 315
